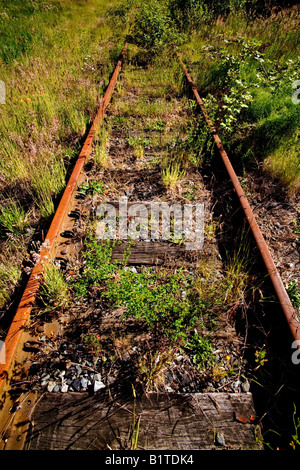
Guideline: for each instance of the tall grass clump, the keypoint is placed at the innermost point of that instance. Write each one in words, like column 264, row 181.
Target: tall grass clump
column 13, row 217
column 54, row 291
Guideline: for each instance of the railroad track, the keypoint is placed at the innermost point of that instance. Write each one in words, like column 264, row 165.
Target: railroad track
column 104, row 405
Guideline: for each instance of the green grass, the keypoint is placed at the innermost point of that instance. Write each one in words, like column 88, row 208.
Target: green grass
column 53, row 88
column 55, row 60
column 54, row 291
column 172, row 175
column 13, row 217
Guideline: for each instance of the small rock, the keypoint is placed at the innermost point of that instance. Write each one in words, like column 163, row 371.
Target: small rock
column 169, row 376
column 64, row 388
column 84, row 382
column 76, row 385
column 45, row 376
column 235, row 385
column 246, row 386
column 220, row 440
column 126, row 357
column 51, row 386
column 97, row 378
column 186, row 379
column 56, row 388
column 98, row 385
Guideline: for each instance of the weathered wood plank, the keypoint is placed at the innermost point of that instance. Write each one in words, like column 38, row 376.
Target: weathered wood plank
column 166, row 421
column 158, row 253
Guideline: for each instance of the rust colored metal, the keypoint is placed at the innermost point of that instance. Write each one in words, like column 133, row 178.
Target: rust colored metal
column 278, row 285
column 28, row 298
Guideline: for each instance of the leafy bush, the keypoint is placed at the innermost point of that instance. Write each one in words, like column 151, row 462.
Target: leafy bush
column 152, row 28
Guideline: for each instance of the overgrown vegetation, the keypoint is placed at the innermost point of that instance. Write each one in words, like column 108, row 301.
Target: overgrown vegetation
column 244, row 58
column 247, row 75
column 53, row 80
column 175, row 303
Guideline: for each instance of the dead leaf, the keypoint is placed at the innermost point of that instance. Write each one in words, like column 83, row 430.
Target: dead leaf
column 240, row 418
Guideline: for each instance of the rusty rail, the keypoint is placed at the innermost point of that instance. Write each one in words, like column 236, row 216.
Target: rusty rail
column 29, row 295
column 278, row 285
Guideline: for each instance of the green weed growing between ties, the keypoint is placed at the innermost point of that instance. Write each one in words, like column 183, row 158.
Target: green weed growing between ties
column 173, row 302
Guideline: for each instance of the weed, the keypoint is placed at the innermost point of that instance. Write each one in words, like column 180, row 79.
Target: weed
column 294, row 293
column 91, row 187
column 158, row 125
column 152, row 367
column 97, row 267
column 54, row 291
column 295, row 442
column 210, row 228
column 123, row 345
column 47, row 184
column 172, row 175
column 53, row 81
column 260, row 356
column 138, row 141
column 152, row 29
column 283, row 163
column 101, row 157
column 171, row 302
column 190, row 191
column 94, row 342
column 13, row 218
column 200, row 349
column 156, row 298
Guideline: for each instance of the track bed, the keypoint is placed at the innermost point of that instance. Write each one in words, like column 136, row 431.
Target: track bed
column 145, row 354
